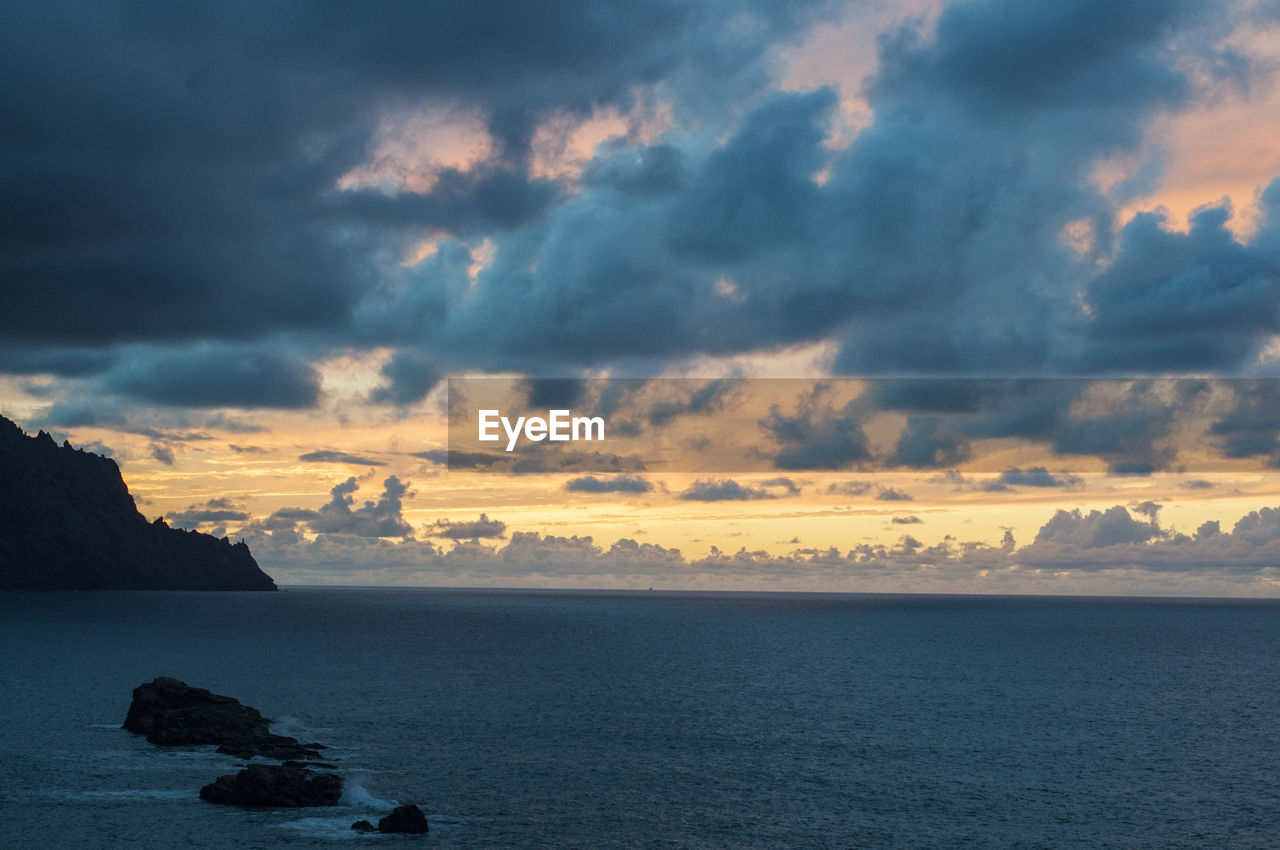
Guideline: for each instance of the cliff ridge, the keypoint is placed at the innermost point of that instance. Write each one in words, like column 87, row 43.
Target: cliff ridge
column 67, row 522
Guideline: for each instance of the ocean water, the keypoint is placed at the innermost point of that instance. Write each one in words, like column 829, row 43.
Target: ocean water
column 558, row 719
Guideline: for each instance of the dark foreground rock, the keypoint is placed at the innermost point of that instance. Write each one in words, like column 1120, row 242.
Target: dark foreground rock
column 403, row 819
column 274, row 786
column 67, row 522
column 173, row 714
column 362, row 826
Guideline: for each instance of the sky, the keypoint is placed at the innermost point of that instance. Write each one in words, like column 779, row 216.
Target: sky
column 1012, row 271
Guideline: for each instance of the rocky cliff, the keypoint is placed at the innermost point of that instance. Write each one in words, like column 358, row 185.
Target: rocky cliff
column 67, row 522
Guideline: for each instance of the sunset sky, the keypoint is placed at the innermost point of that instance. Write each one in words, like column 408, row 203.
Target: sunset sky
column 249, row 245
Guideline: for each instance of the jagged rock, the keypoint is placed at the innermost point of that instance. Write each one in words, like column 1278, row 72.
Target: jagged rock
column 67, row 522
column 362, row 826
column 172, row 713
column 274, row 786
column 311, row 765
column 404, row 819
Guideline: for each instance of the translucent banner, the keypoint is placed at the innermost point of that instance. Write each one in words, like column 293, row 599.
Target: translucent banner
column 1112, row 426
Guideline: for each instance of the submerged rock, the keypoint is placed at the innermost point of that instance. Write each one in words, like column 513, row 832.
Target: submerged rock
column 171, row 713
column 362, row 826
column 404, row 819
column 272, row 786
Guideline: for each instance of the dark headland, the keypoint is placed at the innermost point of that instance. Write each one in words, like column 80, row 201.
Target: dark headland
column 67, row 522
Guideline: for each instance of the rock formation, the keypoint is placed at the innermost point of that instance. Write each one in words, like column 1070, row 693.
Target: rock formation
column 404, row 819
column 172, row 713
column 274, row 786
column 67, row 522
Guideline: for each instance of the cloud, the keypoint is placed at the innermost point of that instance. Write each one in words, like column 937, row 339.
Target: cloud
column 707, row 398
column 1193, row 301
column 906, row 520
column 553, row 393
column 468, row 529
column 888, row 494
column 925, row 443
column 373, row 519
column 410, row 376
column 1096, row 529
column 335, row 456
column 215, row 376
column 850, row 488
column 164, row 454
column 616, row 484
column 459, row 459
column 1114, row 540
column 1250, row 427
column 724, row 490
column 1036, row 476
column 230, row 228
column 791, row 488
column 1074, row 551
column 383, row 518
column 217, row 510
column 203, row 240
column 817, row 437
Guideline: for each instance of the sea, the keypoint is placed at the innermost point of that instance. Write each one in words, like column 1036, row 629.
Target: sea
column 533, row 719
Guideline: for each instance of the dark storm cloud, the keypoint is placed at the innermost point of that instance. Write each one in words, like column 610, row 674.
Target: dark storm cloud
column 116, row 416
column 170, row 169
column 817, row 437
column 1132, row 433
column 650, row 171
column 1129, row 424
column 553, row 393
column 335, row 456
column 410, row 376
column 1252, row 426
column 617, row 484
column 1193, row 301
column 171, row 173
column 928, row 443
column 1006, row 87
column 460, row 204
column 21, row 359
column 216, row 376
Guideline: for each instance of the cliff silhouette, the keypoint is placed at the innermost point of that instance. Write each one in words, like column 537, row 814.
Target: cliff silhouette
column 67, row 522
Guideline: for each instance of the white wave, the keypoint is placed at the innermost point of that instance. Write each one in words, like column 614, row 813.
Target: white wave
column 129, row 794
column 291, row 726
column 333, row 828
column 355, row 794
